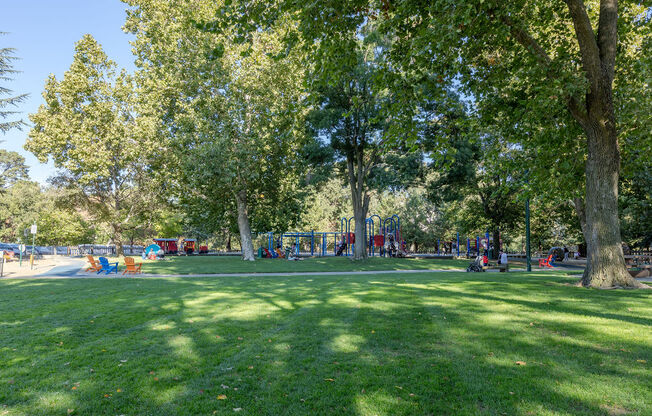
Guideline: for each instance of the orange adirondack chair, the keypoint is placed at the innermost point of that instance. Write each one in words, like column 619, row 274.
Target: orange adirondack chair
column 94, row 265
column 546, row 262
column 132, row 266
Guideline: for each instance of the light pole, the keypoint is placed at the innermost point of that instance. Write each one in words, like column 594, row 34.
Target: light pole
column 31, row 258
column 528, row 259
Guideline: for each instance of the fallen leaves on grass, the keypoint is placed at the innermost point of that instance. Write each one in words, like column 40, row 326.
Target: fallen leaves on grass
column 221, row 397
column 329, row 379
column 641, row 361
column 614, row 410
column 521, row 363
column 237, row 409
column 71, row 411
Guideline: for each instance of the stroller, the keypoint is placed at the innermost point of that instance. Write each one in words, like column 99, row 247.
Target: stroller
column 340, row 249
column 476, row 266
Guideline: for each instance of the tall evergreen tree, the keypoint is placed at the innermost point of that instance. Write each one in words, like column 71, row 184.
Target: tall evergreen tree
column 7, row 70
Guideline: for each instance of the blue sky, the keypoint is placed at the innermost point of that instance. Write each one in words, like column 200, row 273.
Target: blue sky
column 44, row 33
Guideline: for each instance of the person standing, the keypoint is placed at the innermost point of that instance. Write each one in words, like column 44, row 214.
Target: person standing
column 565, row 253
column 503, row 257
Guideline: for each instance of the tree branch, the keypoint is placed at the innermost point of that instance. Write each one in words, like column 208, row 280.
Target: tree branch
column 531, row 44
column 586, row 39
column 527, row 41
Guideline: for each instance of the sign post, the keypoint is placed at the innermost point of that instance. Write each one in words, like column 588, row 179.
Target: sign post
column 31, row 258
column 21, row 248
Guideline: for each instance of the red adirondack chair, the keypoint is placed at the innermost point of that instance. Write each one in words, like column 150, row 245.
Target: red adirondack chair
column 546, row 262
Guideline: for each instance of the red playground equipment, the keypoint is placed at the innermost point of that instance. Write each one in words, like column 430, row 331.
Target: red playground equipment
column 168, row 245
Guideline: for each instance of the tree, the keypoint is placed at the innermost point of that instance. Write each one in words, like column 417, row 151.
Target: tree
column 19, row 208
column 479, row 174
column 348, row 116
column 232, row 113
column 6, row 70
column 88, row 127
column 61, row 227
column 540, row 65
column 25, row 203
column 12, row 168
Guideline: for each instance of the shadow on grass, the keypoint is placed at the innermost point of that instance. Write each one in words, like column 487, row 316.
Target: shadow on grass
column 387, row 345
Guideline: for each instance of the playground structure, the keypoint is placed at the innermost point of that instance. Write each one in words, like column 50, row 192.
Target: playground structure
column 474, row 246
column 379, row 234
column 323, row 243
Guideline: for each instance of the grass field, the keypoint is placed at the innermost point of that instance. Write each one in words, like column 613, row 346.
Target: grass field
column 233, row 264
column 437, row 343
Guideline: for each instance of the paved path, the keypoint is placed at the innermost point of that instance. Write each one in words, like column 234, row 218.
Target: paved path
column 75, row 272
column 68, row 270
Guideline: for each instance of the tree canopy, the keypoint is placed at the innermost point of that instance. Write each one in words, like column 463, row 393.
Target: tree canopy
column 88, row 128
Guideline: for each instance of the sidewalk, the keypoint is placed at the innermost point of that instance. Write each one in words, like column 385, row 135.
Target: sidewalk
column 48, row 266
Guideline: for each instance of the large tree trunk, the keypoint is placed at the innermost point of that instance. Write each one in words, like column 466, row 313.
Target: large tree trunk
column 605, row 263
column 243, row 226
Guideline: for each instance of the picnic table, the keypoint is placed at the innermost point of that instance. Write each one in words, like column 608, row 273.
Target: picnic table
column 639, row 266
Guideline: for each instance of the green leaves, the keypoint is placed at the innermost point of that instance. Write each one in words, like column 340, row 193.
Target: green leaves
column 89, row 128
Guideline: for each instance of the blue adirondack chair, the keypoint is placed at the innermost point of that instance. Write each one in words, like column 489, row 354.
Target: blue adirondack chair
column 108, row 267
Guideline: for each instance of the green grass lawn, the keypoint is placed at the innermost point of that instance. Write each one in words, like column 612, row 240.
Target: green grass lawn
column 233, row 264
column 393, row 344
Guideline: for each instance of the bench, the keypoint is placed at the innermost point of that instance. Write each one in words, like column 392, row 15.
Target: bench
column 500, row 267
column 642, row 270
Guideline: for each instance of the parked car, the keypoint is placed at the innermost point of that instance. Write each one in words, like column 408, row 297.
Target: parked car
column 8, row 248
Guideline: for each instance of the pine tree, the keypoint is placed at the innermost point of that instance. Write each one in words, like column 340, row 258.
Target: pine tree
column 6, row 71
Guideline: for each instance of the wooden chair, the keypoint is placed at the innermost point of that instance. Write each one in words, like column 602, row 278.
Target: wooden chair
column 107, row 267
column 94, row 265
column 131, row 266
column 549, row 262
